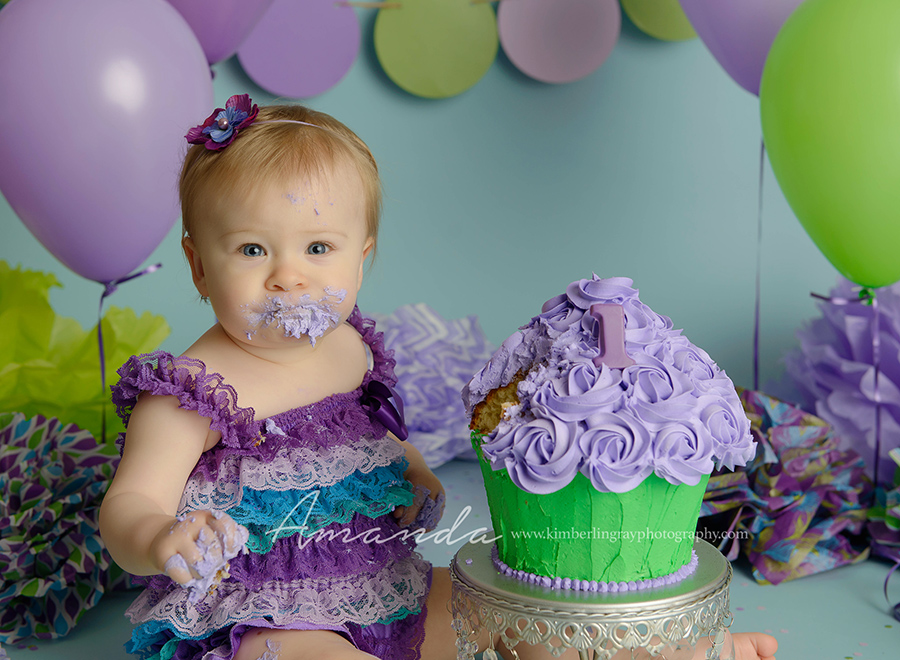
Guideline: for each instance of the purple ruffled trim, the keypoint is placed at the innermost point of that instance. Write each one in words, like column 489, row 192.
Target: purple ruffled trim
column 318, row 558
column 337, row 419
column 187, row 380
column 595, row 585
column 398, row 640
column 386, row 595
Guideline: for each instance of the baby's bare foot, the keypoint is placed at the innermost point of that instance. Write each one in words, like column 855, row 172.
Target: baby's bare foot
column 747, row 646
column 753, row 646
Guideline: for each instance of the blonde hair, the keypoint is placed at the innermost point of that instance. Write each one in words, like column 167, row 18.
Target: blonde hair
column 271, row 151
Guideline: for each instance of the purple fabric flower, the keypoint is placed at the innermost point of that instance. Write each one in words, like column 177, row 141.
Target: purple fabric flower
column 617, row 452
column 223, row 125
column 682, row 453
column 542, row 455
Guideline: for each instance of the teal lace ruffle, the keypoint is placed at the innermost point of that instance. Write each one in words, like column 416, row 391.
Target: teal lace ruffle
column 271, row 515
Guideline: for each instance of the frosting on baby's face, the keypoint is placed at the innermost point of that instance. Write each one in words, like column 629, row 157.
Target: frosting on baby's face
column 301, row 318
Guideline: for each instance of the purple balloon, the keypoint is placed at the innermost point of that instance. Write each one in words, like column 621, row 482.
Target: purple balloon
column 301, row 49
column 99, row 94
column 739, row 33
column 221, row 25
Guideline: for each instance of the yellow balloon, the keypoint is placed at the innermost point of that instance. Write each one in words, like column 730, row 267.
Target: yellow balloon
column 663, row 19
column 436, row 48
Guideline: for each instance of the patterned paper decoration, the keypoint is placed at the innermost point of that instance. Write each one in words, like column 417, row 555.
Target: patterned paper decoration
column 559, row 41
column 800, row 507
column 301, row 49
column 435, row 359
column 53, row 563
column 436, row 48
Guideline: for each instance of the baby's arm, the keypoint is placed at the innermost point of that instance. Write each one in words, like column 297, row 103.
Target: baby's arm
column 421, row 477
column 137, row 519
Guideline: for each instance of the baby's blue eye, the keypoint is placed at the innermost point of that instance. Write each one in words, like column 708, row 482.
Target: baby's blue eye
column 317, row 248
column 252, row 250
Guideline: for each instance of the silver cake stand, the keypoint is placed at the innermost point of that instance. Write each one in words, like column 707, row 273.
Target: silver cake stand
column 660, row 622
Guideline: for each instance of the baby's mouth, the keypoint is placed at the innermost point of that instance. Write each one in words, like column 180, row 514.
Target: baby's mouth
column 304, row 318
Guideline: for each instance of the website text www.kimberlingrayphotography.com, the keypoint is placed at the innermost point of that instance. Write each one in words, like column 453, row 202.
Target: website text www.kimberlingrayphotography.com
column 454, row 535
column 627, row 535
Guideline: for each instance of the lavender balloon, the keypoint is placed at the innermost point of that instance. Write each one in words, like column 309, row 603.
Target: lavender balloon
column 221, row 26
column 301, row 49
column 89, row 160
column 739, row 33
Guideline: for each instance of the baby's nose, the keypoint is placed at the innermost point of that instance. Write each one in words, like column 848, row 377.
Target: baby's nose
column 286, row 277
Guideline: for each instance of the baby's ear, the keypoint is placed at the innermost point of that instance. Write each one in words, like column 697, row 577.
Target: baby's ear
column 193, row 258
column 367, row 250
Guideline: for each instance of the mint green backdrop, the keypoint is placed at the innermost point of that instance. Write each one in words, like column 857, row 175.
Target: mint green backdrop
column 499, row 197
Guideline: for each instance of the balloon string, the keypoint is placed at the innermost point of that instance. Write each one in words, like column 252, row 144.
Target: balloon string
column 876, row 359
column 110, row 288
column 867, row 296
column 759, row 227
column 893, row 555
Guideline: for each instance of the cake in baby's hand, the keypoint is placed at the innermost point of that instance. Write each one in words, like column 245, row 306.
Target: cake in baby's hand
column 597, row 426
column 215, row 552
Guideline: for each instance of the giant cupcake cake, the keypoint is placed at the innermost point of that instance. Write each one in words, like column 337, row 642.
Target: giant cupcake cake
column 597, row 426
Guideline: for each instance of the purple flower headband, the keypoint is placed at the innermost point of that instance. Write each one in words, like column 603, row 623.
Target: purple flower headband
column 223, row 125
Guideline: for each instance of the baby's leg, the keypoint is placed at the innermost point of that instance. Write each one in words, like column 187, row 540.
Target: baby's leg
column 267, row 644
column 747, row 646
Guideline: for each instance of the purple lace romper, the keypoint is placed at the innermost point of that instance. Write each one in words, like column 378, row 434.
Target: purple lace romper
column 315, row 486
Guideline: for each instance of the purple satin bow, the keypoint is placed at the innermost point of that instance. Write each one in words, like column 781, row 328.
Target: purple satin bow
column 376, row 397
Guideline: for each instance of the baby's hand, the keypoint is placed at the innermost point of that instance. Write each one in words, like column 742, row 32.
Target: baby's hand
column 194, row 551
column 428, row 501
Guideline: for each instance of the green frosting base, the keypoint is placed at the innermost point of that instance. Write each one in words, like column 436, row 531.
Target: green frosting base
column 580, row 533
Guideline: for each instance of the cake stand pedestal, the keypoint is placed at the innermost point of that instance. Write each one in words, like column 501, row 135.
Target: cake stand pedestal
column 660, row 622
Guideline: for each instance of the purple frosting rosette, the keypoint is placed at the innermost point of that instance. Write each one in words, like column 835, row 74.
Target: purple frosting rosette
column 800, row 506
column 53, row 563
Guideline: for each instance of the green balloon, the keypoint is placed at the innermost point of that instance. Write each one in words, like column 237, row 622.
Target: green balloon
column 436, row 48
column 830, row 108
column 663, row 19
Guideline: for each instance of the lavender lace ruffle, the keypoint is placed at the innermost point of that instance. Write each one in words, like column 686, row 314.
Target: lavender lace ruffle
column 597, row 586
column 398, row 640
column 292, row 468
column 385, row 596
